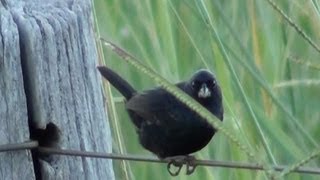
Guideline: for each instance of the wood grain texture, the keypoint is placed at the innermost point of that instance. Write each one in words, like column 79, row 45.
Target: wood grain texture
column 13, row 108
column 62, row 85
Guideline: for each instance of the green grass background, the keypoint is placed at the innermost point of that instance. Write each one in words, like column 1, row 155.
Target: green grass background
column 263, row 57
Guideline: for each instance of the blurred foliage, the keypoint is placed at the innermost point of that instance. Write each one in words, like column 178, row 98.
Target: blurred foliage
column 174, row 39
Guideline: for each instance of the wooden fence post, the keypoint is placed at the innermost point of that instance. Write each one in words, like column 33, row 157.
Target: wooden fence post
column 48, row 74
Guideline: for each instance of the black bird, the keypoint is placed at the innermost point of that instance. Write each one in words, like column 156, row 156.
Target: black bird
column 166, row 126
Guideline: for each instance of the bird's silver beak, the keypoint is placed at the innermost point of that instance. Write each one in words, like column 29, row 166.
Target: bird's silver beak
column 204, row 92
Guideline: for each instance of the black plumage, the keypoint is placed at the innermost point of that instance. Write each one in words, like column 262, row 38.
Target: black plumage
column 165, row 125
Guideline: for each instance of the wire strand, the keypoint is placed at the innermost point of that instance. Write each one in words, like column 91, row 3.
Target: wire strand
column 19, row 146
column 212, row 163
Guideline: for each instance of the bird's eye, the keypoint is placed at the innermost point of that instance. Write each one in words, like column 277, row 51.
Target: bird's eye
column 195, row 84
column 211, row 83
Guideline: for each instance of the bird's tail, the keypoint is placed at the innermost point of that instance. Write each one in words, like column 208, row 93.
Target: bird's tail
column 118, row 82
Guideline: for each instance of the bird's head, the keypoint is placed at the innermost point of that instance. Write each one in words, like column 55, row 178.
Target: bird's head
column 204, row 84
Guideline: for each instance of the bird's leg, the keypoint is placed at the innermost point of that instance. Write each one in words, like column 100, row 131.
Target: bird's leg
column 178, row 161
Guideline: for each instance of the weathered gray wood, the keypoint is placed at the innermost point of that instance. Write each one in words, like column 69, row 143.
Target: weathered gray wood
column 59, row 58
column 13, row 109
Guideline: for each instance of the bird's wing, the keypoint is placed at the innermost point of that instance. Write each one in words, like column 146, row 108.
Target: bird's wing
column 157, row 106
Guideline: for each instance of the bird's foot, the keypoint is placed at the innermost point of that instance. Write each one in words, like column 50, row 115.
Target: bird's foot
column 178, row 162
column 191, row 165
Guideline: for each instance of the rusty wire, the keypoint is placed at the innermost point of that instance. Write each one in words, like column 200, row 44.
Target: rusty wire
column 213, row 163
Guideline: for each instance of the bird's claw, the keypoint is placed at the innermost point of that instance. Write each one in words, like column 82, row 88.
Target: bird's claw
column 190, row 168
column 179, row 161
column 173, row 162
column 190, row 164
